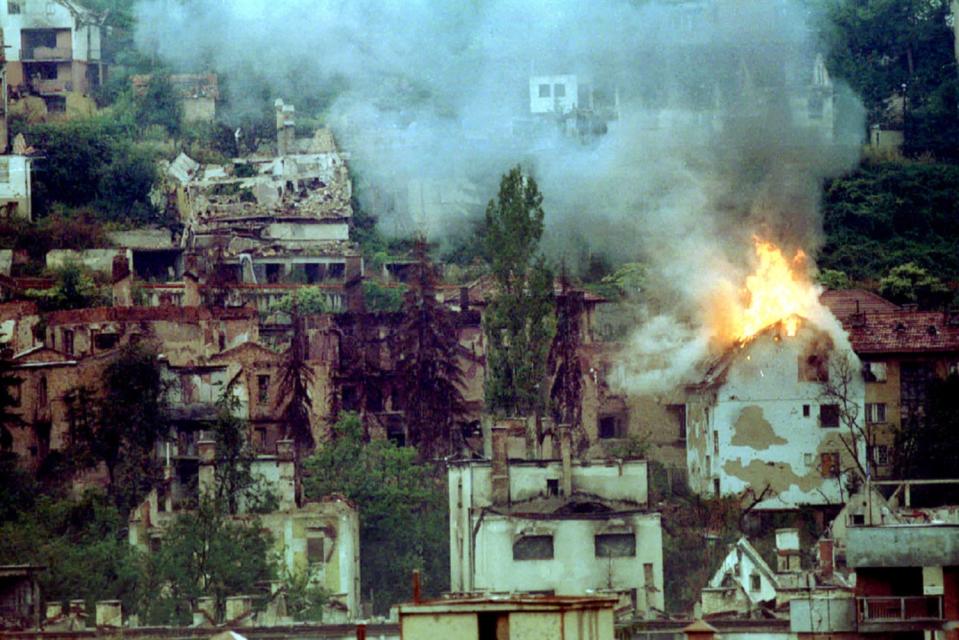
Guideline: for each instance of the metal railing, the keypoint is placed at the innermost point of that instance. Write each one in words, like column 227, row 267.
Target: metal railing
column 899, row 608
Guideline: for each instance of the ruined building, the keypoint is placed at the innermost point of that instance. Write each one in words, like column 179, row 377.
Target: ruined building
column 553, row 525
column 763, row 424
column 53, row 50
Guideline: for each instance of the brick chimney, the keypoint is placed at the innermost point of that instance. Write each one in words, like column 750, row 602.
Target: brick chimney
column 122, row 282
column 700, row 630
column 499, row 467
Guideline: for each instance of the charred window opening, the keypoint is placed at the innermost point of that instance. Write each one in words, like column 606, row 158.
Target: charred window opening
column 814, row 368
column 533, row 548
column 396, row 431
column 337, row 271
column 615, row 545
column 829, row 464
column 805, row 411
column 374, row 400
column 552, row 486
column 611, row 427
column 874, row 371
column 105, row 341
column 829, row 416
column 263, row 389
column 314, row 273
column 274, row 272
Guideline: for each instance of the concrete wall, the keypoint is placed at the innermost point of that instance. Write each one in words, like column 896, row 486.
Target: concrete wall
column 15, row 185
column 749, row 431
column 308, row 231
column 903, row 546
column 99, row 260
column 588, row 624
column 822, row 614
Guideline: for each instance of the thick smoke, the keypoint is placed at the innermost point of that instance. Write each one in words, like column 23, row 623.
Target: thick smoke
column 718, row 123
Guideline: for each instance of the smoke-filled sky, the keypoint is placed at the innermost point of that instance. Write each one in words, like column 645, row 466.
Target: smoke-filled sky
column 711, row 142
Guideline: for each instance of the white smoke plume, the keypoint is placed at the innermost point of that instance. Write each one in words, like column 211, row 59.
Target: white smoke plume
column 723, row 124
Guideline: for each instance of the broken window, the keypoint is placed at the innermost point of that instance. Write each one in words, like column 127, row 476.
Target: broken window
column 716, row 487
column 263, row 389
column 552, row 486
column 615, row 545
column 544, row 91
column 105, row 341
column 881, row 454
column 42, row 392
column 13, row 8
column 260, row 442
column 337, row 271
column 349, row 398
column 559, row 90
column 649, row 580
column 829, row 416
column 754, row 582
column 874, row 371
column 813, row 368
column 273, row 273
column 679, row 411
column 875, row 412
column 68, row 342
column 829, row 464
column 805, row 411
column 314, row 549
column 611, row 427
column 314, row 273
column 533, row 548
column 374, row 400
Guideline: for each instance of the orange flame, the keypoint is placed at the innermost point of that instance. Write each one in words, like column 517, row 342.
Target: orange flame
column 778, row 290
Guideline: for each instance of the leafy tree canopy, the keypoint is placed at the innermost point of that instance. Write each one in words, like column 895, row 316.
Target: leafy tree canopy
column 910, row 283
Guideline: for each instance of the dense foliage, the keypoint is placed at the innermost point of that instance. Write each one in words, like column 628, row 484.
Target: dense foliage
column 402, row 505
column 518, row 322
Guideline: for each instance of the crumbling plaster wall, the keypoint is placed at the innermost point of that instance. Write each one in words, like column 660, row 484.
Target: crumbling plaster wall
column 574, row 568
column 756, row 434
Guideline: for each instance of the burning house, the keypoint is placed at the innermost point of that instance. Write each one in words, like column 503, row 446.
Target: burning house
column 554, row 525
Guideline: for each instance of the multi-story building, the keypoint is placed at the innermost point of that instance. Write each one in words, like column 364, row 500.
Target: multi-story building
column 764, row 424
column 553, row 525
column 53, row 49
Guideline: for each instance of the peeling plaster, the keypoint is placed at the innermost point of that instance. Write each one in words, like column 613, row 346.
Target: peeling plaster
column 753, row 430
column 777, row 475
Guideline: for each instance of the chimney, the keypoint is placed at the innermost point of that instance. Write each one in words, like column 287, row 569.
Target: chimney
column 122, row 282
column 566, row 458
column 206, row 449
column 109, row 614
column 417, row 595
column 787, row 550
column 239, row 610
column 700, row 630
column 285, row 127
column 464, row 299
column 499, row 468
column 826, row 558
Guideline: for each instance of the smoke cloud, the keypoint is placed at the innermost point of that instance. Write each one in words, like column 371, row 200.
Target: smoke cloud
column 712, row 123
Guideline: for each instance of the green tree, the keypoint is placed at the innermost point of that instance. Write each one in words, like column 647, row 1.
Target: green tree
column 834, row 280
column 426, row 350
column 234, row 454
column 127, row 422
column 565, row 371
column 73, row 288
column 8, row 419
column 203, row 553
column 900, row 50
column 308, row 301
column 519, row 321
column 911, row 284
column 403, row 510
column 158, row 105
column 380, row 298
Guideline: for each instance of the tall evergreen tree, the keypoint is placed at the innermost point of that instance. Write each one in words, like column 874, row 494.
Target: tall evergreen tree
column 296, row 376
column 430, row 379
column 566, row 390
column 519, row 320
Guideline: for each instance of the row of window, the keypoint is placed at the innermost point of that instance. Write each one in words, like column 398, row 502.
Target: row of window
column 605, row 545
column 559, row 90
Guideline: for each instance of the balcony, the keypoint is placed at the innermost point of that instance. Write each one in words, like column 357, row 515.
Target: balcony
column 51, row 87
column 880, row 614
column 46, row 54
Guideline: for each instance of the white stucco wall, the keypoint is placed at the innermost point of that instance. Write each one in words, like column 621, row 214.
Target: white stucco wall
column 550, row 104
column 754, row 432
column 47, row 14
column 15, row 183
column 308, row 231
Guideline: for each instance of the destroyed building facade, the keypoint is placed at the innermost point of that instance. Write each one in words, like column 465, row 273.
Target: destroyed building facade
column 553, row 525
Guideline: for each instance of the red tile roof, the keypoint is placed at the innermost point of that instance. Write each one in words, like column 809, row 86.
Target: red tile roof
column 149, row 314
column 849, row 301
column 903, row 332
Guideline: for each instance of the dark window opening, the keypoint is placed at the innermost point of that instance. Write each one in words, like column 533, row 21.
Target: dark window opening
column 156, row 266
column 829, row 464
column 754, row 582
column 396, row 430
column 68, row 342
column 829, row 416
column 611, row 427
column 349, row 398
column 105, row 341
column 679, row 411
column 42, row 392
column 13, row 8
column 805, row 411
column 615, row 545
column 533, row 548
column 314, row 550
column 544, row 91
column 273, row 273
column 813, row 368
column 552, row 486
column 263, row 389
column 559, row 90
column 374, row 400
column 314, row 273
column 492, row 626
column 260, row 441
column 337, row 271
